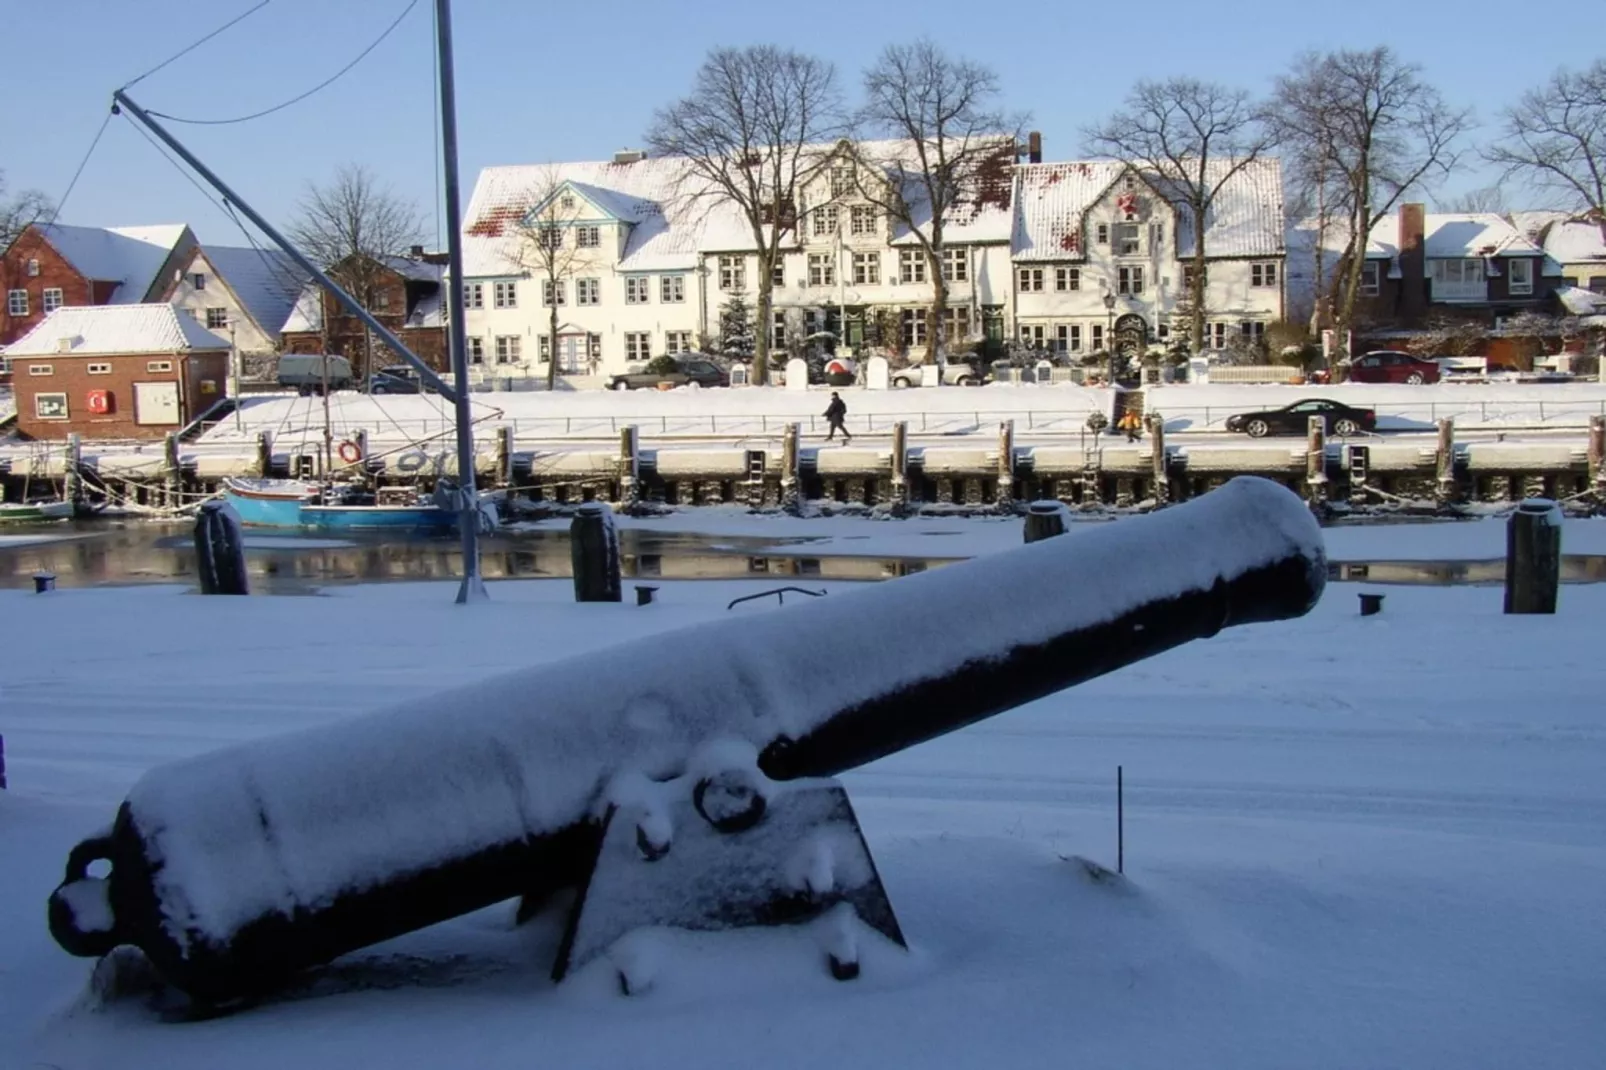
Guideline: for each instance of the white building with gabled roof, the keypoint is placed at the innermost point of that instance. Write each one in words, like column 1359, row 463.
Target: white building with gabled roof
column 245, row 294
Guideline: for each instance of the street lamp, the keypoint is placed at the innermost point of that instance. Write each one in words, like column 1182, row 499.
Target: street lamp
column 1109, row 333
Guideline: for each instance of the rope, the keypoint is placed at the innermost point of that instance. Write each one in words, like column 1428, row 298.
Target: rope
column 191, row 48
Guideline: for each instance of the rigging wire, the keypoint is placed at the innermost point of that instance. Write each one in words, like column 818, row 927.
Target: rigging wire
column 55, row 211
column 180, row 55
column 435, row 116
column 303, row 96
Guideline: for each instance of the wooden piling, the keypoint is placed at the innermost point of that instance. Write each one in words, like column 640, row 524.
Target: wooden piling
column 361, row 464
column 1597, row 458
column 1044, row 520
column 1533, row 557
column 172, row 474
column 1004, row 494
column 72, row 482
column 900, row 464
column 629, row 466
column 1316, row 460
column 1158, row 462
column 1444, row 463
column 594, row 554
column 264, row 464
column 504, row 455
column 790, row 498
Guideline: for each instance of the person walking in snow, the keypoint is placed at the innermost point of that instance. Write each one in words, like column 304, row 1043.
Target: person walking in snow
column 1131, row 424
column 835, row 414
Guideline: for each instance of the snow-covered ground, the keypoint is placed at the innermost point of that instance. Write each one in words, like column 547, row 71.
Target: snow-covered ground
column 1037, row 410
column 1351, row 842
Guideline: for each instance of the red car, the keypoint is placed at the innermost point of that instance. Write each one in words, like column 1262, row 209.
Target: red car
column 1391, row 366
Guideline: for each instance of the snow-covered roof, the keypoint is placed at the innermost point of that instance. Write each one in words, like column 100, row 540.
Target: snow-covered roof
column 307, row 312
column 129, row 256
column 1052, row 199
column 430, row 311
column 96, row 330
column 265, row 281
column 1576, row 241
column 1577, row 301
column 415, row 270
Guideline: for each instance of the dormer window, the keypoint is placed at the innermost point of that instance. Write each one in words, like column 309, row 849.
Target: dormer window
column 198, row 280
column 1101, row 234
column 566, row 202
column 841, row 180
column 1130, row 182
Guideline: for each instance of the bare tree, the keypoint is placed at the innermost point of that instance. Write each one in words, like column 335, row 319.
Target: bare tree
column 1317, row 187
column 29, row 206
column 952, row 150
column 1484, row 199
column 1192, row 139
column 749, row 131
column 1555, row 136
column 553, row 248
column 1388, row 132
column 351, row 228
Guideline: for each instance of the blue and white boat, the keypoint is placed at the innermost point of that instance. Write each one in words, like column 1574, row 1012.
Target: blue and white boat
column 290, row 503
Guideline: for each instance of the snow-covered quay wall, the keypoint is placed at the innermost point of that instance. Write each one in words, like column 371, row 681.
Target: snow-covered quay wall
column 235, row 869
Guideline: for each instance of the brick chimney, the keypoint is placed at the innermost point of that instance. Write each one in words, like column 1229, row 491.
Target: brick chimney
column 1034, row 147
column 1413, row 262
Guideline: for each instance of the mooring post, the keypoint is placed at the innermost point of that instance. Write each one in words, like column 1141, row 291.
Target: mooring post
column 220, row 550
column 594, row 554
column 1159, row 464
column 72, row 480
column 789, row 461
column 172, row 474
column 1044, row 520
column 504, row 455
column 1444, row 462
column 629, row 466
column 1316, row 460
column 1005, row 496
column 1533, row 557
column 1597, row 456
column 361, row 463
column 264, row 454
column 900, row 463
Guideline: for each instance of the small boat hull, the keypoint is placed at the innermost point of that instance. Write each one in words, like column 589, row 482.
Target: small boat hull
column 34, row 512
column 291, row 504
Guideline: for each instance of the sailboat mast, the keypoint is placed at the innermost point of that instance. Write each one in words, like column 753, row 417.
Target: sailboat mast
column 473, row 585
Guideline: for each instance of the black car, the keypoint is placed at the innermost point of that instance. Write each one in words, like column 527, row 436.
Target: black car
column 689, row 368
column 385, row 382
column 1340, row 419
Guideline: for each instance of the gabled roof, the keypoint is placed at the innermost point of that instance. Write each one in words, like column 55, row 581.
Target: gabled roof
column 414, row 270
column 264, row 281
column 105, row 330
column 1577, row 301
column 129, row 256
column 307, row 312
column 1576, row 241
column 1052, row 200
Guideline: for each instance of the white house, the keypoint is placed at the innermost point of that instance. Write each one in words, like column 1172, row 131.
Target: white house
column 243, row 294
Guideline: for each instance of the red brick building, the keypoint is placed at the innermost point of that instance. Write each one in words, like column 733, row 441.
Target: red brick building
column 116, row 372
column 53, row 266
column 404, row 293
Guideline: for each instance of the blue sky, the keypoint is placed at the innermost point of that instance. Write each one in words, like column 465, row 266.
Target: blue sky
column 541, row 81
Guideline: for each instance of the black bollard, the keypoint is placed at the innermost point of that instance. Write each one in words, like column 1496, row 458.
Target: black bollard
column 594, row 553
column 44, row 581
column 1533, row 557
column 220, row 550
column 1044, row 520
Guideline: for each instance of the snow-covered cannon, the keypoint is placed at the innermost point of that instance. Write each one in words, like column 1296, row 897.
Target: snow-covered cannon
column 234, row 870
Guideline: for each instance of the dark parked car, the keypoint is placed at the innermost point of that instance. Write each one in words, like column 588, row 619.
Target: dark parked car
column 1390, row 366
column 688, row 369
column 385, row 381
column 1294, row 419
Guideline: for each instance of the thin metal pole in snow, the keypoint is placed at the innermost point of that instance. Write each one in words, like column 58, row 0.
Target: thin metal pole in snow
column 1120, row 821
column 473, row 586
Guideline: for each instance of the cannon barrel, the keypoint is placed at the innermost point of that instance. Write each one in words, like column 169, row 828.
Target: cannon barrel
column 235, row 869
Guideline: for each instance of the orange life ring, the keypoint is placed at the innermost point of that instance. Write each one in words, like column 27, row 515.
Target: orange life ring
column 350, row 453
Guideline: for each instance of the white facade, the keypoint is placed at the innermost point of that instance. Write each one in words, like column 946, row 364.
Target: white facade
column 646, row 267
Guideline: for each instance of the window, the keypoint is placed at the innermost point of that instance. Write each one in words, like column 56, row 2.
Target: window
column 1129, row 280
column 911, row 265
column 1029, row 280
column 1263, row 274
column 822, row 269
column 732, row 273
column 825, row 221
column 1128, row 239
column 588, row 291
column 1067, row 279
column 1597, row 284
column 1102, row 234
column 198, row 280
column 914, row 326
column 1098, row 336
column 1068, row 338
column 507, row 348
column 549, row 237
column 17, row 302
column 566, row 202
column 473, row 295
column 778, row 272
column 476, row 350
column 1252, row 330
column 863, row 219
column 506, row 294
column 594, row 346
column 217, row 319
column 672, row 289
column 1162, row 331
column 638, row 345
column 1156, row 237
column 1033, row 335
column 1520, row 275
column 955, row 265
column 33, row 268
column 158, row 366
column 50, row 406
column 543, row 348
column 866, row 269
column 381, row 301
column 1216, row 335
column 53, row 299
column 1458, row 279
column 956, row 322
column 677, row 342
column 587, row 237
column 99, row 369
column 1188, row 274
column 778, row 330
column 41, row 369
column 553, row 292
column 842, row 180
column 637, row 290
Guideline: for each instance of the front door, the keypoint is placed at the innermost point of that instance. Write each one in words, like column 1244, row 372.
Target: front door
column 156, row 403
column 569, row 349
